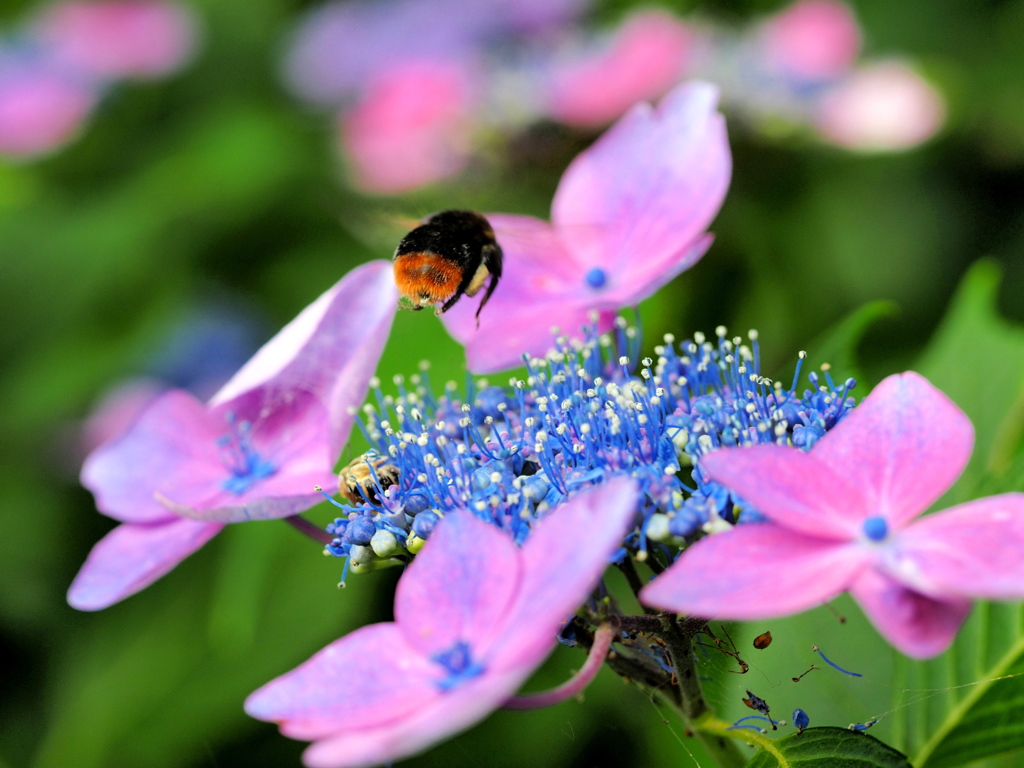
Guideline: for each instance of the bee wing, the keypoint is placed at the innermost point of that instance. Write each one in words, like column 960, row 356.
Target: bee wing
column 378, row 230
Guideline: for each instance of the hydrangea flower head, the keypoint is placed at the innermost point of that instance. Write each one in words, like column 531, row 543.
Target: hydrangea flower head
column 815, row 40
column 631, row 213
column 580, row 418
column 882, row 107
column 646, row 56
column 411, row 127
column 113, row 39
column 474, row 616
column 41, row 107
column 254, row 451
column 341, row 48
column 842, row 517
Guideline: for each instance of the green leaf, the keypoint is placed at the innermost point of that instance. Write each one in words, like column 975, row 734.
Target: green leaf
column 977, row 358
column 966, row 702
column 829, row 748
column 838, row 345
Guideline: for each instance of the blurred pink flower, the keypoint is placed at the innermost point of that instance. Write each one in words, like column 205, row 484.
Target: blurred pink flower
column 255, row 451
column 40, row 109
column 474, row 616
column 118, row 38
column 630, row 213
column 813, row 39
column 842, row 518
column 880, row 107
column 645, row 57
column 410, row 128
column 340, row 46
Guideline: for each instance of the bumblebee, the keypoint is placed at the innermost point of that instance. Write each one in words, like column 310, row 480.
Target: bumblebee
column 366, row 477
column 451, row 254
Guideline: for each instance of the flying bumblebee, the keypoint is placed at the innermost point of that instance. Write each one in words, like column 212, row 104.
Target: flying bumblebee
column 451, row 254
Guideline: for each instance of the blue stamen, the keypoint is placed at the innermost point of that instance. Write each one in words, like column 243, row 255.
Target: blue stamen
column 579, row 418
column 596, row 278
column 459, row 663
column 875, row 528
column 832, row 664
column 240, row 458
column 756, row 717
column 800, row 719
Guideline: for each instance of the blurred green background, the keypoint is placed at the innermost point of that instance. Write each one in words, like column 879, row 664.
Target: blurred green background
column 216, row 184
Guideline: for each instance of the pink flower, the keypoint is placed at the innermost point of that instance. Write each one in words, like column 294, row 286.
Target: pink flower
column 842, row 518
column 117, row 410
column 645, row 58
column 474, row 616
column 411, row 128
column 340, row 46
column 119, row 38
column 630, row 213
column 813, row 39
column 40, row 109
column 254, row 452
column 881, row 107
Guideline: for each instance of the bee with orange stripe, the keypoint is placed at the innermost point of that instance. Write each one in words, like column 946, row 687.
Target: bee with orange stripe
column 451, row 254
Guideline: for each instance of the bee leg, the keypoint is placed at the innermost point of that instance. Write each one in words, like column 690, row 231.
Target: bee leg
column 464, row 283
column 487, row 294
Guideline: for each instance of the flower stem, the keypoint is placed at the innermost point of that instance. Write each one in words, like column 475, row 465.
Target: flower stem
column 303, row 526
column 693, row 707
column 575, row 685
column 712, row 730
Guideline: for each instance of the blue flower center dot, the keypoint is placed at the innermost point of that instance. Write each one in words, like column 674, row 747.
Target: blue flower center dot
column 875, row 528
column 460, row 665
column 597, row 278
column 245, row 466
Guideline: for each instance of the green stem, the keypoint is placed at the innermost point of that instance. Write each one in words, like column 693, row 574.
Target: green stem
column 715, row 733
column 693, row 707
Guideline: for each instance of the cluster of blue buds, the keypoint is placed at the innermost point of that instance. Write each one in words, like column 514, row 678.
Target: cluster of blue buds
column 589, row 410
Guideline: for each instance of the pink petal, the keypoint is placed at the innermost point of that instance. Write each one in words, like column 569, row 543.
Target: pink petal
column 756, row 571
column 330, row 351
column 412, row 126
column 294, row 440
column 119, row 38
column 39, row 110
column 459, row 587
column 171, row 449
column 131, row 557
column 972, row 550
column 813, row 39
column 117, row 410
column 902, row 447
column 560, row 569
column 644, row 60
column 881, row 107
column 541, row 287
column 917, row 625
column 435, row 720
column 369, row 677
column 635, row 202
column 792, row 488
